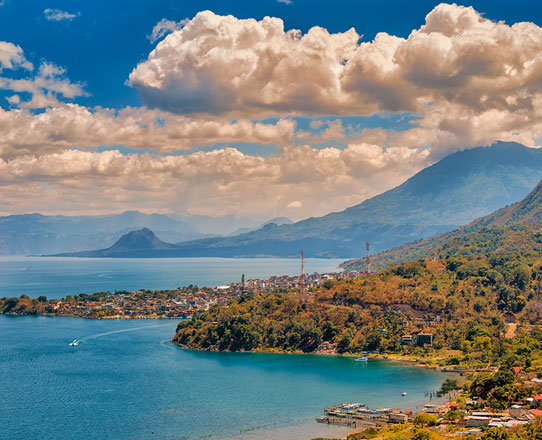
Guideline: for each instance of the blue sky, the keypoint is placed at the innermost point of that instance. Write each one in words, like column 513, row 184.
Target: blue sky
column 235, row 116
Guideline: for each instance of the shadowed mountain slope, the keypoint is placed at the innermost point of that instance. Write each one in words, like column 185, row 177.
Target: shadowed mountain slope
column 514, row 228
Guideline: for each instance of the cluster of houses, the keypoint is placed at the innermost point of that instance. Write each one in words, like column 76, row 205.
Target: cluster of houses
column 179, row 304
column 518, row 414
column 286, row 282
column 354, row 414
column 470, row 415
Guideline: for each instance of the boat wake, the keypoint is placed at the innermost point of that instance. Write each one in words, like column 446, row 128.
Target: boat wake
column 125, row 330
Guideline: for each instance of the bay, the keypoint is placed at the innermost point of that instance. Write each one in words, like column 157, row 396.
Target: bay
column 126, row 381
column 56, row 277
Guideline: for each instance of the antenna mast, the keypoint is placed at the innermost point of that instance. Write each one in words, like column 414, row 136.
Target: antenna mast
column 302, row 277
column 367, row 260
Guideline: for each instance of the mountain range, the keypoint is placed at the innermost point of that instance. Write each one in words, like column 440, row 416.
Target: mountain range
column 452, row 192
column 37, row 234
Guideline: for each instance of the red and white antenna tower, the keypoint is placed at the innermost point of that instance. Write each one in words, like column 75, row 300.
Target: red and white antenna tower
column 367, row 260
column 302, row 277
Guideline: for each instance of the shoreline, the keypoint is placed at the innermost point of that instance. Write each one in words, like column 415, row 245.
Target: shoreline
column 402, row 359
column 97, row 318
column 390, row 358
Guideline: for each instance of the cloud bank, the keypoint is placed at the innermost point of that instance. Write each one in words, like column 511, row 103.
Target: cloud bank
column 205, row 182
column 222, row 64
column 60, row 128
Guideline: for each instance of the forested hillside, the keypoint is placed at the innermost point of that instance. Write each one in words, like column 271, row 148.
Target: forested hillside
column 463, row 302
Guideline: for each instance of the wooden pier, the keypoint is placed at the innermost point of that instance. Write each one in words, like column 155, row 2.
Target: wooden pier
column 344, row 422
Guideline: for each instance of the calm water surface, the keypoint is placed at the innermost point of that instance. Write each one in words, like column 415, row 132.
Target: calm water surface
column 57, row 277
column 126, row 381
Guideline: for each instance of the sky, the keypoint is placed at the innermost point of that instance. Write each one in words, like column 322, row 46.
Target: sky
column 259, row 109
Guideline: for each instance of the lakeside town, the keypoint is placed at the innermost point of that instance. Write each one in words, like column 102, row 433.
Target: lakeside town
column 178, row 303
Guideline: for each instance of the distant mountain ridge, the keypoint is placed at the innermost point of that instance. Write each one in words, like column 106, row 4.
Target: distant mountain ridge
column 516, row 227
column 225, row 224
column 276, row 221
column 40, row 234
column 452, row 192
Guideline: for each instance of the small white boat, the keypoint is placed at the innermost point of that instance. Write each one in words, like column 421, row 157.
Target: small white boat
column 74, row 342
column 404, row 394
column 361, row 359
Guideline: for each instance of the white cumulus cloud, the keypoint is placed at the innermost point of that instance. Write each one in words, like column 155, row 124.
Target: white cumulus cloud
column 59, row 15
column 46, row 87
column 164, row 27
column 12, row 57
column 458, row 64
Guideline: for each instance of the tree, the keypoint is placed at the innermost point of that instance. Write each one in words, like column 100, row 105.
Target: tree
column 10, row 304
column 448, row 386
column 521, row 277
column 424, row 419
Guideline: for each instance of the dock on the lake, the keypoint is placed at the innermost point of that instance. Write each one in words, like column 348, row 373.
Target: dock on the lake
column 357, row 414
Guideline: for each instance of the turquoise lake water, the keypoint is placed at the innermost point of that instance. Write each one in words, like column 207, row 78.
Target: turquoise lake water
column 57, row 277
column 126, row 381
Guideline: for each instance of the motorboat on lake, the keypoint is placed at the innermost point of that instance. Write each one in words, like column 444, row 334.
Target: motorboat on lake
column 361, row 359
column 74, row 342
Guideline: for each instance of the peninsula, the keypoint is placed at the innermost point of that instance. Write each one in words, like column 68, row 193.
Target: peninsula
column 179, row 303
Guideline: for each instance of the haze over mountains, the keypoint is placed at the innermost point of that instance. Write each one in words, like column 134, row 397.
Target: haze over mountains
column 226, row 224
column 39, row 234
column 454, row 191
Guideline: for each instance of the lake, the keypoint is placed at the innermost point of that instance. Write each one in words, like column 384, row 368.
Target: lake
column 56, row 277
column 126, row 381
